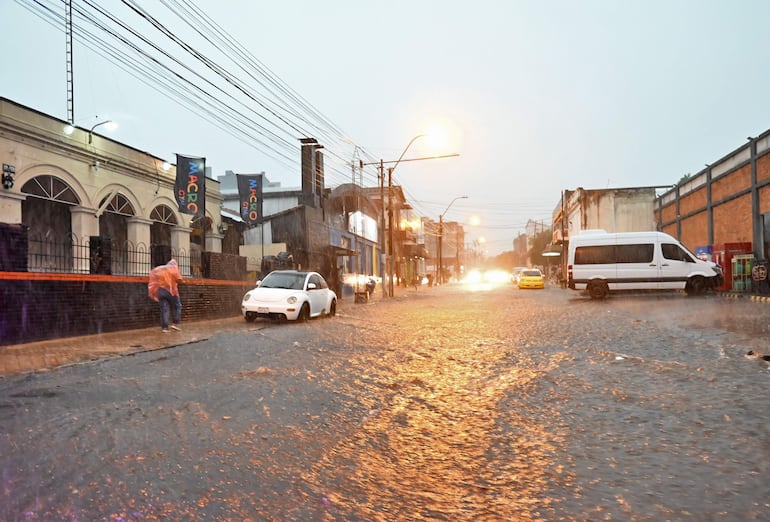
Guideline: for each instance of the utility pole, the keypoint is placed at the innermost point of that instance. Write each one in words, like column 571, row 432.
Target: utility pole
column 70, row 77
column 390, row 230
column 441, row 239
column 382, row 228
column 440, row 274
column 388, row 263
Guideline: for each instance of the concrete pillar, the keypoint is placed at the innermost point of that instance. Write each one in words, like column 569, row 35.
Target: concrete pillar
column 84, row 225
column 214, row 242
column 10, row 206
column 180, row 243
column 138, row 232
column 139, row 238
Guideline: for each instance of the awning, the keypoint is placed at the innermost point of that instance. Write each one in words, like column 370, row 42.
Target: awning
column 341, row 251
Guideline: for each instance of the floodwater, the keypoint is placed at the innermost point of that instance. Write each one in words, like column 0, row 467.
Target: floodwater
column 447, row 404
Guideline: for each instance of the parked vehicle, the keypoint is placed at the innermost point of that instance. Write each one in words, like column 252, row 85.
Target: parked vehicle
column 289, row 295
column 531, row 278
column 283, row 261
column 601, row 262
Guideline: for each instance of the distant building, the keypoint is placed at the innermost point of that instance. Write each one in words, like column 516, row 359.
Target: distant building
column 629, row 209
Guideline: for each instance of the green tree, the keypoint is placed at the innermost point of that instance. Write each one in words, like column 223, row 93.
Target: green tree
column 538, row 245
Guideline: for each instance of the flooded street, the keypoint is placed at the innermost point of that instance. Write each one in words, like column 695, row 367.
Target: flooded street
column 444, row 404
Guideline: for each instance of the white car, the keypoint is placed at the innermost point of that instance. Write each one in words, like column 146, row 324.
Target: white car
column 289, row 295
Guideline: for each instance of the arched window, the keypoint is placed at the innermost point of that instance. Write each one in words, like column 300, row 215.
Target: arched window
column 113, row 231
column 119, row 204
column 160, row 234
column 50, row 187
column 47, row 214
column 163, row 214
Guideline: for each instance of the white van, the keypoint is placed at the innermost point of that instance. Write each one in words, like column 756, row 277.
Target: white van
column 600, row 263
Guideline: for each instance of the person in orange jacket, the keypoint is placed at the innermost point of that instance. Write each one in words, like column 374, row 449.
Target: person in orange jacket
column 163, row 287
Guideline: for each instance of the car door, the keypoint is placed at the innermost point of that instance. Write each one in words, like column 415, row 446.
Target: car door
column 316, row 296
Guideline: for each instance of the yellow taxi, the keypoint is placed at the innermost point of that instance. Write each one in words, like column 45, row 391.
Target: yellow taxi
column 531, row 278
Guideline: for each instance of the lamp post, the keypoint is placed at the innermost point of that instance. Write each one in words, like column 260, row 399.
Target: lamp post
column 111, row 124
column 387, row 279
column 392, row 270
column 440, row 275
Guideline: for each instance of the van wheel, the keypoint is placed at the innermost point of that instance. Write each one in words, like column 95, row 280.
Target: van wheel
column 598, row 290
column 695, row 286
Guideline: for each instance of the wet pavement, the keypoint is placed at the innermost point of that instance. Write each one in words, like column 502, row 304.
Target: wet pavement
column 46, row 355
column 450, row 404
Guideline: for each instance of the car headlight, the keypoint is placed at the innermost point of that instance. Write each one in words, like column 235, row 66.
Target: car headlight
column 246, row 297
column 291, row 299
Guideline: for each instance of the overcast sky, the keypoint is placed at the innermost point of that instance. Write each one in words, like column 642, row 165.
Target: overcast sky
column 535, row 96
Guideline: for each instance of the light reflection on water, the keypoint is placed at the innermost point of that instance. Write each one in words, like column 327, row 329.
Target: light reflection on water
column 444, row 436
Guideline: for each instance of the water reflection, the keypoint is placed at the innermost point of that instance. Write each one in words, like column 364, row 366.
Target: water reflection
column 444, row 435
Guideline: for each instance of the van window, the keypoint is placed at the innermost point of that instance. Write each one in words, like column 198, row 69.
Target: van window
column 595, row 255
column 611, row 254
column 675, row 252
column 641, row 253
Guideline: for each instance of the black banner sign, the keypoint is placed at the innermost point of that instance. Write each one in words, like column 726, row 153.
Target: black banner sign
column 190, row 186
column 250, row 195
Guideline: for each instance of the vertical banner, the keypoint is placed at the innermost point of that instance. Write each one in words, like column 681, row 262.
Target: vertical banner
column 250, row 195
column 190, row 186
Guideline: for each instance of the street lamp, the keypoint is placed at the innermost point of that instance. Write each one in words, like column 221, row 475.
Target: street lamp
column 440, row 275
column 392, row 270
column 111, row 126
column 381, row 164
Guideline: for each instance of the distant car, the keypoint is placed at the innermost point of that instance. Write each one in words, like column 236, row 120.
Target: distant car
column 531, row 278
column 289, row 295
column 515, row 273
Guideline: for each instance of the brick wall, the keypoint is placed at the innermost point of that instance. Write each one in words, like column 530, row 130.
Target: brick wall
column 49, row 306
column 223, row 266
column 732, row 219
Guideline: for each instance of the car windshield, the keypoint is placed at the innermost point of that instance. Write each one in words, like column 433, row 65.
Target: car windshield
column 283, row 280
column 532, row 273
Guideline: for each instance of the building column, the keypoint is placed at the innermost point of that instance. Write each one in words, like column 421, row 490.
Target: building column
column 84, row 225
column 10, row 206
column 138, row 237
column 180, row 242
column 214, row 242
column 138, row 232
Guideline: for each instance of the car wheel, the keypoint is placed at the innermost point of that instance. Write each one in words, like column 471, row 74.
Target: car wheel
column 332, row 308
column 695, row 286
column 598, row 290
column 304, row 313
column 250, row 317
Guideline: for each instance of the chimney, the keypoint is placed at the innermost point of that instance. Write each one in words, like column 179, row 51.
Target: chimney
column 311, row 155
column 319, row 171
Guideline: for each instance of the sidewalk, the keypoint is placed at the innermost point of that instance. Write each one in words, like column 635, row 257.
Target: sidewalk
column 45, row 355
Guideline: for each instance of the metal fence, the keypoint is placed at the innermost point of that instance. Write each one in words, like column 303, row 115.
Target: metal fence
column 99, row 255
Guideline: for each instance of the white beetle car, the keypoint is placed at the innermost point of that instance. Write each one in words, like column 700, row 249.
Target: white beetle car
column 291, row 295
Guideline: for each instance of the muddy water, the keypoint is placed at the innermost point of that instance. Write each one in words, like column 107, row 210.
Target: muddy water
column 448, row 404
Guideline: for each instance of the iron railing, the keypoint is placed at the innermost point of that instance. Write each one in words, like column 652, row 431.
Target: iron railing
column 99, row 255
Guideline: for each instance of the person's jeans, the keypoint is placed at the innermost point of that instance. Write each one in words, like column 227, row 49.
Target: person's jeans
column 169, row 303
